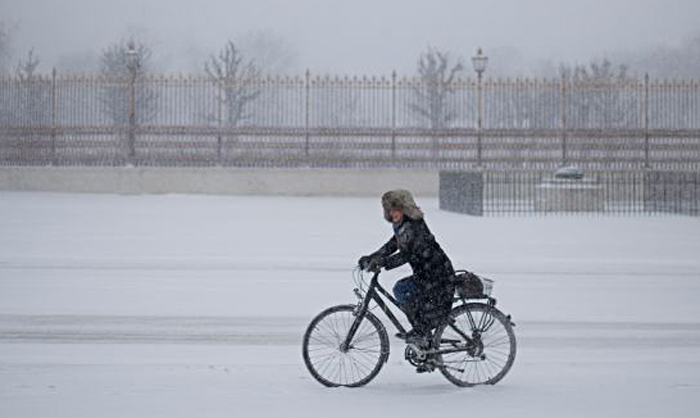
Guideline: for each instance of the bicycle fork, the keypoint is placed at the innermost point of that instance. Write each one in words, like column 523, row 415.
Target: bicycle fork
column 359, row 316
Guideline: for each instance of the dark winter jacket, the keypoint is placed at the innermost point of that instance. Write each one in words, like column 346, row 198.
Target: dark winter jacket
column 432, row 268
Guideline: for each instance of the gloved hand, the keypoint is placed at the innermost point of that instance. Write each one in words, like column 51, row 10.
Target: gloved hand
column 375, row 264
column 363, row 262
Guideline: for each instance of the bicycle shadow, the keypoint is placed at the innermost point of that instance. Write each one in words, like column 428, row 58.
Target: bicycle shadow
column 412, row 389
column 398, row 389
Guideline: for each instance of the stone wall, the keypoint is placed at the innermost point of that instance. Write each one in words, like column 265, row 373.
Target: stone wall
column 262, row 181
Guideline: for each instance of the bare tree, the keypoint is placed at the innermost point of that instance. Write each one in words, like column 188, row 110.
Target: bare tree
column 431, row 95
column 238, row 83
column 26, row 69
column 596, row 70
column 4, row 46
column 600, row 96
column 28, row 103
column 6, row 108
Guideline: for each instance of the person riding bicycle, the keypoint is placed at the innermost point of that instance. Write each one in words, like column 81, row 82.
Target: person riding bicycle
column 426, row 296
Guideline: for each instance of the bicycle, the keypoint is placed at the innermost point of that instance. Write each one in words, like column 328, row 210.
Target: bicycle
column 347, row 345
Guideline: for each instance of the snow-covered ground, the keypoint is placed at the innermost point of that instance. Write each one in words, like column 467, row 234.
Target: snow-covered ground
column 194, row 306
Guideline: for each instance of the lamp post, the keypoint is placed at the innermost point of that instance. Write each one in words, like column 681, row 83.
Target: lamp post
column 132, row 65
column 479, row 62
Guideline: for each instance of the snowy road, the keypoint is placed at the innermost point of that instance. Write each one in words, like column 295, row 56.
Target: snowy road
column 182, row 306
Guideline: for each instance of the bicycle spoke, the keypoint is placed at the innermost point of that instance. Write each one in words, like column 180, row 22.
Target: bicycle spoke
column 324, row 341
column 328, row 363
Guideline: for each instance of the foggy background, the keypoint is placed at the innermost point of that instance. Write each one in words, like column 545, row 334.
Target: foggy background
column 362, row 37
column 165, row 241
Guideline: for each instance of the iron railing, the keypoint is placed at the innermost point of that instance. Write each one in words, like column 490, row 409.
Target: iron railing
column 350, row 122
column 623, row 192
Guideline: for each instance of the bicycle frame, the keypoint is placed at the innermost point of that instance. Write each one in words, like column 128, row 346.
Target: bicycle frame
column 370, row 296
column 373, row 295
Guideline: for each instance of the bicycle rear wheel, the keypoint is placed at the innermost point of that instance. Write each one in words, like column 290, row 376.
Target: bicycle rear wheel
column 489, row 356
column 356, row 366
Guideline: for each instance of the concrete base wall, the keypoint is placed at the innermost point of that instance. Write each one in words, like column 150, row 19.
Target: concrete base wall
column 146, row 180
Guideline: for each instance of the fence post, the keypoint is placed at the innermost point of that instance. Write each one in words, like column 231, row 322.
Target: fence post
column 53, row 116
column 132, row 119
column 219, row 117
column 563, row 120
column 393, row 115
column 307, row 111
column 480, row 110
column 646, row 120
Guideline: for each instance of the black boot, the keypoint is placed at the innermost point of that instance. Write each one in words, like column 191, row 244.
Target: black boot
column 425, row 368
column 416, row 337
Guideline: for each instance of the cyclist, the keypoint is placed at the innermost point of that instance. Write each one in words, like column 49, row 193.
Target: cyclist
column 426, row 296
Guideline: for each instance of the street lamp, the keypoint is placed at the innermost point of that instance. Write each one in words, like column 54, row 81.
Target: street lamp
column 479, row 62
column 132, row 64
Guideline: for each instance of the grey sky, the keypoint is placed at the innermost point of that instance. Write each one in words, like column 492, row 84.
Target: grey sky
column 358, row 36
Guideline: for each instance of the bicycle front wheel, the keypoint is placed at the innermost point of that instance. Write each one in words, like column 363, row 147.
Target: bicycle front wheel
column 488, row 354
column 355, row 366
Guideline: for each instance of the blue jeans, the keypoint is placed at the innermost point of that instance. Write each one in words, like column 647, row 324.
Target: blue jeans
column 409, row 299
column 403, row 291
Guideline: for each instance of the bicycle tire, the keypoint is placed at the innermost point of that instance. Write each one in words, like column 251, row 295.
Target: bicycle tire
column 492, row 372
column 360, row 375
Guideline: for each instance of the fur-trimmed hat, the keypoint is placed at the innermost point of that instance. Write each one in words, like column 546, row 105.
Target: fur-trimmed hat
column 403, row 200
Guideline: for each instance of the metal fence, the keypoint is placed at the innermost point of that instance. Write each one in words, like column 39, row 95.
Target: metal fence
column 498, row 192
column 350, row 122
